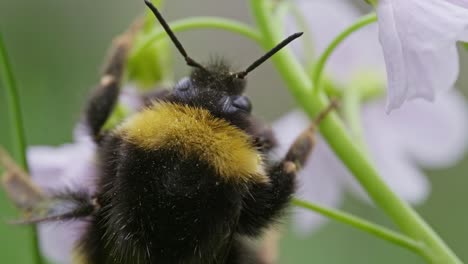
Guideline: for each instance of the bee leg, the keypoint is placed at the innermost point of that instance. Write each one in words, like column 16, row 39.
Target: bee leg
column 265, row 140
column 37, row 205
column 18, row 184
column 267, row 201
column 105, row 96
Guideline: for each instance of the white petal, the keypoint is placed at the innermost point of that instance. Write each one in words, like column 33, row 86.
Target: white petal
column 57, row 240
column 130, row 97
column 70, row 166
column 360, row 52
column 317, row 17
column 318, row 181
column 81, row 133
column 388, row 152
column 287, row 128
column 430, row 71
column 433, row 134
column 418, row 38
column 393, row 54
column 462, row 3
column 48, row 164
column 56, row 168
column 45, row 160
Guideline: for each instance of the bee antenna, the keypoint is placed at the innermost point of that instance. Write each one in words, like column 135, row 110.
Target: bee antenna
column 191, row 62
column 255, row 64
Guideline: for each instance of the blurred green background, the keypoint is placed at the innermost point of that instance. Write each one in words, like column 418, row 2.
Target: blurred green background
column 56, row 48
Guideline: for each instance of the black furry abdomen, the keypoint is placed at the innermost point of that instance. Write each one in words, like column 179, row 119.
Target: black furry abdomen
column 157, row 207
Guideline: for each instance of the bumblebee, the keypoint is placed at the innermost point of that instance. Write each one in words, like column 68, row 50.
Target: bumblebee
column 186, row 180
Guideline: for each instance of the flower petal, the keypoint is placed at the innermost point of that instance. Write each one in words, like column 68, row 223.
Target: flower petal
column 57, row 240
column 462, row 3
column 418, row 38
column 56, row 168
column 70, row 166
column 131, row 97
column 403, row 177
column 45, row 160
column 388, row 152
column 439, row 138
column 360, row 52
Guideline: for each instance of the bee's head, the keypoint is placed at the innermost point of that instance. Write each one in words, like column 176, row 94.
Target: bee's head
column 216, row 89
column 217, row 75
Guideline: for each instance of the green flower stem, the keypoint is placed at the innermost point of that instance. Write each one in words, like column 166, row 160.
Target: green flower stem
column 352, row 113
column 193, row 23
column 307, row 40
column 372, row 2
column 319, row 67
column 281, row 11
column 364, row 225
column 371, row 92
column 336, row 135
column 17, row 129
column 366, row 93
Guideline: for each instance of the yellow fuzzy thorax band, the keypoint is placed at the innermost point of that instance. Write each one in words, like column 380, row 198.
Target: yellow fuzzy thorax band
column 195, row 132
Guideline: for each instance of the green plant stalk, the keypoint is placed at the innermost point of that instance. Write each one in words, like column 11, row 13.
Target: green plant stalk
column 281, row 11
column 366, row 93
column 193, row 23
column 17, row 129
column 336, row 135
column 319, row 67
column 307, row 40
column 352, row 114
column 364, row 225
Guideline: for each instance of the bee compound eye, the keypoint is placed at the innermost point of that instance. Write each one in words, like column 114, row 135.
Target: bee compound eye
column 183, row 85
column 242, row 103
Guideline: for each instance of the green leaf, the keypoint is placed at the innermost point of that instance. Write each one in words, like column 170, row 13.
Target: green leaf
column 16, row 119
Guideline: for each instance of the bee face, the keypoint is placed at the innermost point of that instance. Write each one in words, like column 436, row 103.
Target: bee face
column 189, row 93
column 221, row 95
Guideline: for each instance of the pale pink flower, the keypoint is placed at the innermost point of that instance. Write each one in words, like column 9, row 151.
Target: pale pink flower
column 419, row 38
column 55, row 168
